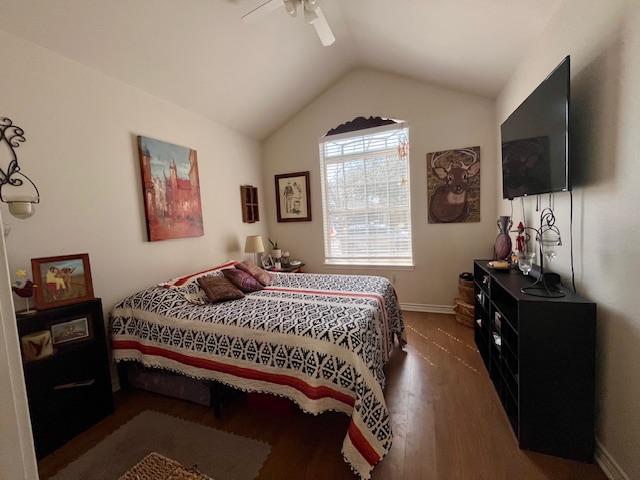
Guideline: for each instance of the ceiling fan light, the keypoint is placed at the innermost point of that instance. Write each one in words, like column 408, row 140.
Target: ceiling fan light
column 291, row 6
column 310, row 4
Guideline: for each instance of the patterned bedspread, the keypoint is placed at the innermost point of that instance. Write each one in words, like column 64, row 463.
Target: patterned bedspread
column 319, row 340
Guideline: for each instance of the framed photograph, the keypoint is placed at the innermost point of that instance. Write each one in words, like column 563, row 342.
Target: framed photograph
column 171, row 186
column 70, row 331
column 267, row 262
column 36, row 346
column 293, row 197
column 61, row 280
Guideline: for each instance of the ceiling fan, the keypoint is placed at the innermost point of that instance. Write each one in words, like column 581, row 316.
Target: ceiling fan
column 312, row 15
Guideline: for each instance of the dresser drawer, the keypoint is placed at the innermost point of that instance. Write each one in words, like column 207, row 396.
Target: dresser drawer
column 63, row 413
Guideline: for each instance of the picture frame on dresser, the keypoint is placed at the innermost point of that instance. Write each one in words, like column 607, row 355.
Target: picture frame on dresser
column 72, row 330
column 61, row 280
column 267, row 262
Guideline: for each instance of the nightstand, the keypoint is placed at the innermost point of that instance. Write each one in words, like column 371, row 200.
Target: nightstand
column 69, row 390
column 289, row 269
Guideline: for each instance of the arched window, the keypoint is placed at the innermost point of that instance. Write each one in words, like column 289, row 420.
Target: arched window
column 366, row 198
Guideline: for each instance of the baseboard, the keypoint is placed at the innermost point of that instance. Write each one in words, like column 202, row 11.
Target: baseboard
column 609, row 466
column 423, row 307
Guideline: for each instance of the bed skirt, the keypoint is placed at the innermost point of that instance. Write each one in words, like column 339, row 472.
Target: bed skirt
column 166, row 383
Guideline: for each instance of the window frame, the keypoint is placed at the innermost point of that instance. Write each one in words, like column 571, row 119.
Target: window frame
column 370, row 263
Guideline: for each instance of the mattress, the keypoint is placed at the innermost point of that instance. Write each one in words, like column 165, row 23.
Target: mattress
column 319, row 340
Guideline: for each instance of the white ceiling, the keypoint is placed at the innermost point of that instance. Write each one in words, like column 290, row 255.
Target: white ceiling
column 252, row 77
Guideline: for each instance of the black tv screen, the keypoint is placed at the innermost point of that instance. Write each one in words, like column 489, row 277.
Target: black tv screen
column 535, row 140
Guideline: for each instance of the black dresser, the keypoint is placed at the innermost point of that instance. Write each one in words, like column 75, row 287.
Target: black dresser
column 540, row 355
column 69, row 390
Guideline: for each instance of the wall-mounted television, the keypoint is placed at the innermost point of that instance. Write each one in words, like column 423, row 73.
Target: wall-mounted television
column 535, row 140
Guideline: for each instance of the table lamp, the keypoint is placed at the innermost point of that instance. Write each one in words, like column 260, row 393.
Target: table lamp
column 254, row 245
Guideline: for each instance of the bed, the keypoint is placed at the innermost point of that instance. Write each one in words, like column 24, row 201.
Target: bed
column 319, row 340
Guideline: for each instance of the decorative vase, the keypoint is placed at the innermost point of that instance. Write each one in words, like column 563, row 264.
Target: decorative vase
column 276, row 253
column 502, row 247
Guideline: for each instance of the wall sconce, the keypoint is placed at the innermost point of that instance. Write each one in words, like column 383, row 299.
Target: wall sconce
column 20, row 206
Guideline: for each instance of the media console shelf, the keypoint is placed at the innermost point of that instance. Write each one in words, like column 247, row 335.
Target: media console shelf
column 540, row 355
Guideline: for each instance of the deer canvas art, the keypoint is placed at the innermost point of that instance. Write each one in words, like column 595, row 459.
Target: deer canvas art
column 453, row 185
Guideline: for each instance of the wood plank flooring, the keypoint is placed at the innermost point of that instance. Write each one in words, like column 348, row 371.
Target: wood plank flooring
column 446, row 417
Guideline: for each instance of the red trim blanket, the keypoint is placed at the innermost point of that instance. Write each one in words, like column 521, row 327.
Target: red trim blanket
column 319, row 340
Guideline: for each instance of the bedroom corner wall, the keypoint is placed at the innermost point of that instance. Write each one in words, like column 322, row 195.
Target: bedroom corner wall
column 81, row 151
column 439, row 119
column 603, row 39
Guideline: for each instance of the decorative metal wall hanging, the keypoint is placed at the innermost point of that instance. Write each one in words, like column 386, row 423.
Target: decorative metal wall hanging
column 20, row 206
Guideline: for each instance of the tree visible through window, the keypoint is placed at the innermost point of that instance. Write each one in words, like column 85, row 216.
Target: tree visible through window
column 366, row 197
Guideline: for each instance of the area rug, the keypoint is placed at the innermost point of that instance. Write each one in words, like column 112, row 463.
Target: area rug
column 157, row 467
column 217, row 454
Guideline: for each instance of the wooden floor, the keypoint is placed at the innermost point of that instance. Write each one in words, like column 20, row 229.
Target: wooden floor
column 447, row 421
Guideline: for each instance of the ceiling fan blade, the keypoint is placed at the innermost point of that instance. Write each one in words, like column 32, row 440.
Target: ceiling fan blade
column 264, row 8
column 319, row 22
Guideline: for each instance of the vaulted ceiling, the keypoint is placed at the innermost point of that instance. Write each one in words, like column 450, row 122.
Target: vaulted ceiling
column 252, row 77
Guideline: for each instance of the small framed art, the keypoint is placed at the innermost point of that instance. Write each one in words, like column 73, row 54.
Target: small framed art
column 36, row 346
column 267, row 262
column 293, row 197
column 70, row 331
column 61, row 280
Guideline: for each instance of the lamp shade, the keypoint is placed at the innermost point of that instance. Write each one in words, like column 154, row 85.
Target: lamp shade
column 253, row 244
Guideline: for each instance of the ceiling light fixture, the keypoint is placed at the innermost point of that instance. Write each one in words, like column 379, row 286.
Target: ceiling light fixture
column 291, row 6
column 312, row 15
column 310, row 4
column 20, row 206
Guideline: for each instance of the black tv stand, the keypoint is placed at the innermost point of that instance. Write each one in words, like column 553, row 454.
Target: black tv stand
column 540, row 355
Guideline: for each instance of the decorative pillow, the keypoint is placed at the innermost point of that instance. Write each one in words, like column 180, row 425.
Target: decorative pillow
column 242, row 280
column 192, row 277
column 218, row 288
column 264, row 277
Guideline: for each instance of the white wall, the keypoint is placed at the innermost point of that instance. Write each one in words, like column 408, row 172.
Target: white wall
column 439, row 119
column 17, row 453
column 81, row 151
column 603, row 39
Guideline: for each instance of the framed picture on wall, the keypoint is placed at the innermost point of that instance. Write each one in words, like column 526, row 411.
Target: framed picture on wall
column 453, row 185
column 61, row 280
column 171, row 186
column 293, row 197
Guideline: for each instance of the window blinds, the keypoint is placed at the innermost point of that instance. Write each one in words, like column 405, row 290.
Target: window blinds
column 366, row 200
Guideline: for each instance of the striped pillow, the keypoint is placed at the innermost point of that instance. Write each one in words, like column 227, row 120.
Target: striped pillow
column 193, row 277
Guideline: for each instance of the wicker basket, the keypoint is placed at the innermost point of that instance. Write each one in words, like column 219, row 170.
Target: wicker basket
column 465, row 290
column 464, row 312
column 464, row 304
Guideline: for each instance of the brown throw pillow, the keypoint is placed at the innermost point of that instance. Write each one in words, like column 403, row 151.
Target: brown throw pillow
column 242, row 280
column 218, row 288
column 264, row 277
